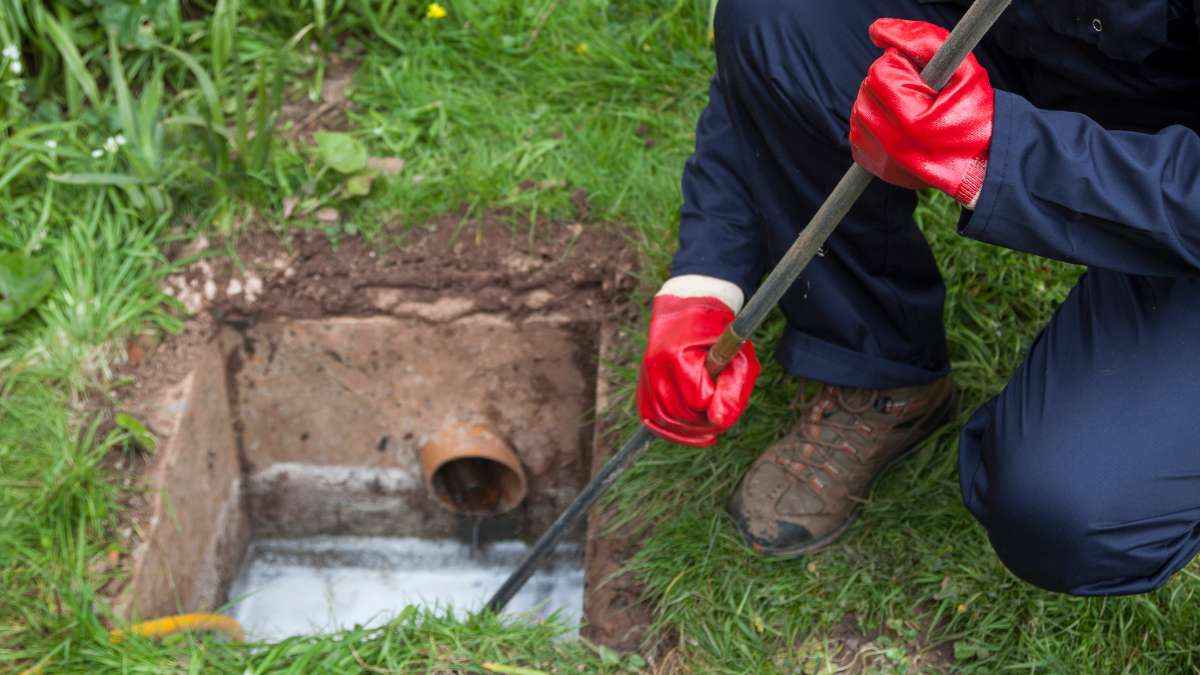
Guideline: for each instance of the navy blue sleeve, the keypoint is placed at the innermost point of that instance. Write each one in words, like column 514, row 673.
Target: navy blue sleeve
column 1061, row 186
column 719, row 235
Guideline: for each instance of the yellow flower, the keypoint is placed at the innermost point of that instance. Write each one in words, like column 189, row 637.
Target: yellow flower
column 435, row 11
column 581, row 49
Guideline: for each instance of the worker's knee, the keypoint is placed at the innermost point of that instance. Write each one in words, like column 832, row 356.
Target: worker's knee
column 1040, row 524
column 1054, row 520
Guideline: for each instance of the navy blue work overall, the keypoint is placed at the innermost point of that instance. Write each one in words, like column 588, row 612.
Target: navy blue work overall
column 1085, row 470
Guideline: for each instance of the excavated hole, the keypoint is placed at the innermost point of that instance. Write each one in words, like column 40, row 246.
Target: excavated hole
column 329, row 417
column 287, row 489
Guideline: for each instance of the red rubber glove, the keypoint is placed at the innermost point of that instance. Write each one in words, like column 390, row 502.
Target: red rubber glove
column 676, row 397
column 909, row 135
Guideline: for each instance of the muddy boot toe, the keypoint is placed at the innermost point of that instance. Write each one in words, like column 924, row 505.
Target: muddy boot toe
column 804, row 491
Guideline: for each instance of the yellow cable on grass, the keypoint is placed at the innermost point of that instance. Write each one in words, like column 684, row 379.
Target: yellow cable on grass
column 182, row 623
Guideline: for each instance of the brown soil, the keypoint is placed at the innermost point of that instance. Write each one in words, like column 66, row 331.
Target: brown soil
column 300, row 117
column 615, row 603
column 569, row 269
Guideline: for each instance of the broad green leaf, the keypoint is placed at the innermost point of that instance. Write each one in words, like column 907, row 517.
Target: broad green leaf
column 359, row 185
column 341, row 152
column 138, row 431
column 608, row 656
column 24, row 282
column 965, row 651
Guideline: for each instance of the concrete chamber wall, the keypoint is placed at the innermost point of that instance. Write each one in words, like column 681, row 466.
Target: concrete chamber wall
column 332, row 414
column 195, row 530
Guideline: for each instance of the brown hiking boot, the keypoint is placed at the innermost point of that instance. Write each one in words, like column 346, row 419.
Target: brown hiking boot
column 804, row 491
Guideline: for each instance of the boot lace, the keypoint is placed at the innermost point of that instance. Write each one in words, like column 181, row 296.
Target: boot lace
column 855, row 402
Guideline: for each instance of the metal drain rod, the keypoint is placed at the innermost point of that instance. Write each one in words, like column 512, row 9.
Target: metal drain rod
column 974, row 24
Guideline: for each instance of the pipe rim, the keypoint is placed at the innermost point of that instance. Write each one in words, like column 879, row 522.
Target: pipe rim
column 461, row 441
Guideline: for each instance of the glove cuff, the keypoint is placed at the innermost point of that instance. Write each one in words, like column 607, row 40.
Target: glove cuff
column 968, row 190
column 701, row 286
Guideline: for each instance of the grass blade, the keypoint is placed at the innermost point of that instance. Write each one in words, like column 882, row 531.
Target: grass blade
column 15, row 170
column 96, row 179
column 207, row 88
column 70, row 55
column 124, row 97
column 224, row 24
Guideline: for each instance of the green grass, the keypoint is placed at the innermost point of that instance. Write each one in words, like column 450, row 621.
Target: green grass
column 496, row 95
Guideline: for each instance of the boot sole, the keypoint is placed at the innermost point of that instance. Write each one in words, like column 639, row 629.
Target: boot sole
column 943, row 415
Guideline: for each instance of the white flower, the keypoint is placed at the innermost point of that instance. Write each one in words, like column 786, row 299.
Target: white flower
column 15, row 66
column 110, row 144
column 11, row 52
column 97, row 153
column 52, row 144
column 120, row 139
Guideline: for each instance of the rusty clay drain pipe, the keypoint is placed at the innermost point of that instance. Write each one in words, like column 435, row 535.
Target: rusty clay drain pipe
column 470, row 470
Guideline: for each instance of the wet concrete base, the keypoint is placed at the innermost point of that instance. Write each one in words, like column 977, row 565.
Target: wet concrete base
column 313, row 585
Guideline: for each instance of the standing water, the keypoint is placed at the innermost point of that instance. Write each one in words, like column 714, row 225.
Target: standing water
column 319, row 584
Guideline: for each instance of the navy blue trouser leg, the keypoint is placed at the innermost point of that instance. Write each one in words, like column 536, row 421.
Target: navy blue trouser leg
column 868, row 312
column 1085, row 470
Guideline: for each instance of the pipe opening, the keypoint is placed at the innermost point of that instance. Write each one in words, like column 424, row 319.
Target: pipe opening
column 470, row 470
column 477, row 486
